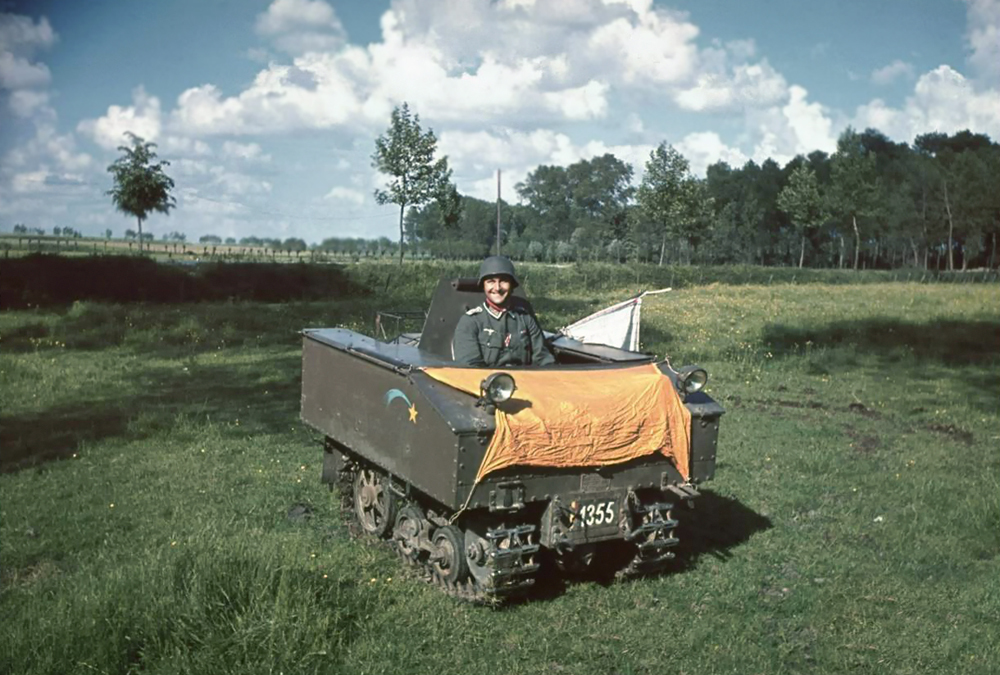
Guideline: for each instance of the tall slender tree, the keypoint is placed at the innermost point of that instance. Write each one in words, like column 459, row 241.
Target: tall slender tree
column 856, row 184
column 801, row 200
column 141, row 186
column 664, row 192
column 405, row 153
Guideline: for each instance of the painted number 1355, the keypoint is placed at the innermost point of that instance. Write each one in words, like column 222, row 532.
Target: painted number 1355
column 599, row 513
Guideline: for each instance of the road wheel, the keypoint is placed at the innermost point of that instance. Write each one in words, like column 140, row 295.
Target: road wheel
column 448, row 557
column 410, row 528
column 374, row 502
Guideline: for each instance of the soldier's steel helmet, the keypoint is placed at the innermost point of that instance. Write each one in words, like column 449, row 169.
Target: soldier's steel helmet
column 496, row 265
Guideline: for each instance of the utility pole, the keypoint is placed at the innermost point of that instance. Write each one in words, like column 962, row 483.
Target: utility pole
column 498, row 211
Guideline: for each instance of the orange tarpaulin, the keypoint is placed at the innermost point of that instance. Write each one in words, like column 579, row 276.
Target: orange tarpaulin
column 567, row 418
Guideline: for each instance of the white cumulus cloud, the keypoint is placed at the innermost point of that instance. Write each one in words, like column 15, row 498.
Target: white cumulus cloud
column 244, row 151
column 313, row 93
column 142, row 118
column 984, row 39
column 747, row 85
column 892, row 72
column 942, row 100
column 346, row 195
column 19, row 73
column 797, row 127
column 30, row 103
column 300, row 26
column 22, row 35
column 23, row 78
column 705, row 148
column 479, row 62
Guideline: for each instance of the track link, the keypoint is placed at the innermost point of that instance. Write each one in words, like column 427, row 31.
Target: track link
column 512, row 572
column 652, row 537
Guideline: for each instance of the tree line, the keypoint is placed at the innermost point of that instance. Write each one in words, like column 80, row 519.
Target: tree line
column 873, row 203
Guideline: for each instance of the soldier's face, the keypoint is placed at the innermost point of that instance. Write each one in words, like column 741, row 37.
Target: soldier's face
column 497, row 289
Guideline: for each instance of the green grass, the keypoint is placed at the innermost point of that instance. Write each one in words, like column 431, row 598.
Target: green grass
column 153, row 457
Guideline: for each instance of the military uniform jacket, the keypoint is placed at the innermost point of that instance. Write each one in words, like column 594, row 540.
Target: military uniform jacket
column 491, row 339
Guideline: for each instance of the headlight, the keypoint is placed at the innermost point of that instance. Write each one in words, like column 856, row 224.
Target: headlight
column 691, row 379
column 497, row 388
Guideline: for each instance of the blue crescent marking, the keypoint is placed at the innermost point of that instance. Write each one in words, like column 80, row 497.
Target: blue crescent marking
column 394, row 394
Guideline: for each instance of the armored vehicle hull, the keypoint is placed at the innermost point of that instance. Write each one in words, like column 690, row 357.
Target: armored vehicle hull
column 408, row 451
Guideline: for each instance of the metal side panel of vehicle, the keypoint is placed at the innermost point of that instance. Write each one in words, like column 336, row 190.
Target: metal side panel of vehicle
column 705, row 414
column 394, row 418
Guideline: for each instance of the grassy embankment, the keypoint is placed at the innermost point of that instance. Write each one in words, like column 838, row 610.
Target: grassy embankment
column 854, row 525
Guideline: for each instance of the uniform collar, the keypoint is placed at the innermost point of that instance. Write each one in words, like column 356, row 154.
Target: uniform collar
column 494, row 310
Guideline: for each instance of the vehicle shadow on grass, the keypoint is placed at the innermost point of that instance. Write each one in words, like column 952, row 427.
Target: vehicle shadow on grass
column 715, row 526
column 239, row 401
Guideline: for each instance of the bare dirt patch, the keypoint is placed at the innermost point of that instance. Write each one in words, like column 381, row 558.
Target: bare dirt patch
column 952, row 431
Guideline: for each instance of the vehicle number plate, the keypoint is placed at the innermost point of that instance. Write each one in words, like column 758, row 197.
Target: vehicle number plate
column 594, row 514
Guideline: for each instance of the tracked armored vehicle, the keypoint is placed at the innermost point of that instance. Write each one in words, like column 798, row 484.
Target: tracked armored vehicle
column 483, row 477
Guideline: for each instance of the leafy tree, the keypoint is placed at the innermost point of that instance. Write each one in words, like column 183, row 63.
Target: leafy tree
column 665, row 191
column 767, row 184
column 600, row 190
column 992, row 205
column 57, row 231
column 546, row 192
column 449, row 203
column 140, row 184
column 856, row 185
column 107, row 233
column 564, row 251
column 590, row 194
column 405, row 153
column 970, row 212
column 440, row 221
column 696, row 220
column 209, row 239
column 802, row 201
column 963, row 182
column 130, row 234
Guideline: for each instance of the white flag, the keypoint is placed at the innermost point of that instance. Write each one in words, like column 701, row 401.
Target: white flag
column 614, row 326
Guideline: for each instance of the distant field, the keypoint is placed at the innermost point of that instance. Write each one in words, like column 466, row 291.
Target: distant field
column 153, row 462
column 23, row 244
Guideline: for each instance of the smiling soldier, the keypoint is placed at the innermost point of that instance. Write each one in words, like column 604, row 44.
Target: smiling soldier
column 502, row 331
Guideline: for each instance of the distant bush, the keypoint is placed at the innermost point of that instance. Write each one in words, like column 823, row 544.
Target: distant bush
column 45, row 280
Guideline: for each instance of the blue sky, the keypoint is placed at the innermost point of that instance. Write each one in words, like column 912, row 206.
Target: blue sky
column 268, row 111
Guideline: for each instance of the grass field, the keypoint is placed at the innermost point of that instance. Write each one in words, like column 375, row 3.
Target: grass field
column 162, row 511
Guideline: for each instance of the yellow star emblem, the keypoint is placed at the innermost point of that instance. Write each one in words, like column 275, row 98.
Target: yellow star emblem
column 413, row 414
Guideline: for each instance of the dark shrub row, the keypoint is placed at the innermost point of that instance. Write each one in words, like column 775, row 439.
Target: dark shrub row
column 47, row 280
column 41, row 280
